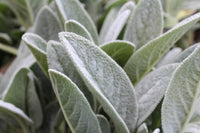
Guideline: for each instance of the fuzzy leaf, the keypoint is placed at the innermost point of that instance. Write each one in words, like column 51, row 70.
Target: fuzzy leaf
column 47, row 25
column 105, row 79
column 72, row 9
column 104, row 124
column 142, row 128
column 145, row 23
column 182, row 97
column 157, row 130
column 76, row 27
column 74, row 105
column 120, row 51
column 37, row 45
column 151, row 89
column 141, row 62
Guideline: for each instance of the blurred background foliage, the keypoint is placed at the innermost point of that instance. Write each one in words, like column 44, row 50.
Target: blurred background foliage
column 17, row 16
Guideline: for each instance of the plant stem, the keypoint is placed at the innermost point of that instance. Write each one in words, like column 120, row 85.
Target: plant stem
column 8, row 49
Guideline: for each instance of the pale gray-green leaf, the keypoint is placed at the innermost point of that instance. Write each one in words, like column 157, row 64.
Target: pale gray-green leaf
column 169, row 57
column 16, row 91
column 173, row 6
column 59, row 60
column 151, row 89
column 142, row 128
column 182, row 95
column 76, row 27
column 37, row 45
column 118, row 50
column 146, row 22
column 142, row 61
column 72, row 9
column 47, row 24
column 74, row 105
column 104, row 124
column 186, row 53
column 191, row 4
column 105, row 79
column 157, row 130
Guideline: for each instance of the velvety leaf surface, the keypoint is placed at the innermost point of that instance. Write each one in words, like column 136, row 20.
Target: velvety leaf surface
column 146, row 57
column 120, row 51
column 182, row 98
column 74, row 105
column 142, row 128
column 76, row 27
column 151, row 89
column 146, row 22
column 47, row 24
column 104, row 124
column 105, row 79
column 37, row 45
column 72, row 9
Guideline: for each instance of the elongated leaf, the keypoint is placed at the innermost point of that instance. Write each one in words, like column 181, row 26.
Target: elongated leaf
column 76, row 27
column 74, row 105
column 181, row 100
column 104, row 124
column 145, row 23
column 105, row 79
column 47, row 24
column 37, row 45
column 59, row 60
column 72, row 9
column 142, row 128
column 9, row 109
column 16, row 92
column 186, row 53
column 115, row 21
column 151, row 89
column 145, row 58
column 120, row 51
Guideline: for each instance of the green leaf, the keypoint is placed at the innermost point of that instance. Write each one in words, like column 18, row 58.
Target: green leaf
column 74, row 105
column 105, row 79
column 145, row 23
column 104, row 124
column 186, row 53
column 59, row 60
column 16, row 91
column 17, row 114
column 182, row 96
column 142, row 61
column 173, row 6
column 142, row 128
column 37, row 45
column 120, row 51
column 115, row 21
column 76, row 27
column 47, row 24
column 151, row 89
column 191, row 4
column 72, row 9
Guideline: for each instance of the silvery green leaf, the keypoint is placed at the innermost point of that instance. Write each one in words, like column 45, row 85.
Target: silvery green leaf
column 181, row 99
column 16, row 91
column 59, row 60
column 151, row 89
column 169, row 21
column 34, row 108
column 118, row 50
column 74, row 105
column 37, row 45
column 157, row 130
column 191, row 4
column 142, row 61
column 5, row 37
column 17, row 114
column 104, row 124
column 173, row 6
column 169, row 57
column 146, row 22
column 115, row 21
column 186, row 53
column 72, row 9
column 47, row 24
column 105, row 79
column 57, row 122
column 76, row 27
column 142, row 128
